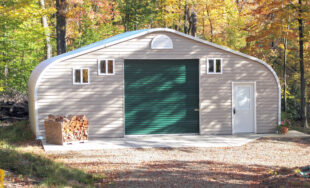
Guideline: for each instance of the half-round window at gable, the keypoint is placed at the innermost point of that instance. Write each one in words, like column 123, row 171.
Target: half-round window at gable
column 162, row 42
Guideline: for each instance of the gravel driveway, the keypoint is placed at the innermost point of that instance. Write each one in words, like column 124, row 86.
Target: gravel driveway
column 264, row 162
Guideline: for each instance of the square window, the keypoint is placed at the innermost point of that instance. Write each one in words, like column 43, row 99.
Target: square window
column 110, row 67
column 218, row 66
column 106, row 67
column 77, row 75
column 85, row 75
column 81, row 76
column 211, row 65
column 214, row 66
column 102, row 67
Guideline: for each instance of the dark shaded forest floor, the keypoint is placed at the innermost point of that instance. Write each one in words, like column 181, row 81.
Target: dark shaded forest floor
column 266, row 162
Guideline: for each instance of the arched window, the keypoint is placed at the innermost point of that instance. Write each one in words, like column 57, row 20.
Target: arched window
column 162, row 42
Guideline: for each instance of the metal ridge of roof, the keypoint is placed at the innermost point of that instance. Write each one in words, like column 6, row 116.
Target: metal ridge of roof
column 39, row 69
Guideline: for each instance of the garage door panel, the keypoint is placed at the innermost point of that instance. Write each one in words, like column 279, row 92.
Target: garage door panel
column 161, row 96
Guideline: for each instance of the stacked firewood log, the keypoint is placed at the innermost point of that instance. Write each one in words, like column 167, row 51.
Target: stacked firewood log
column 61, row 130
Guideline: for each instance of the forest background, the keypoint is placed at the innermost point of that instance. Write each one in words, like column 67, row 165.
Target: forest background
column 276, row 31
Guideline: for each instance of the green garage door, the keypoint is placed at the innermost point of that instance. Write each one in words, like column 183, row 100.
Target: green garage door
column 161, row 96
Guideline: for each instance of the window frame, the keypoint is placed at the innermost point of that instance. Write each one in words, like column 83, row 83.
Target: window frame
column 81, row 76
column 106, row 65
column 214, row 65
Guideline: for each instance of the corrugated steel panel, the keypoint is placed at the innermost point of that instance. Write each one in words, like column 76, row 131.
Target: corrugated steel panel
column 161, row 96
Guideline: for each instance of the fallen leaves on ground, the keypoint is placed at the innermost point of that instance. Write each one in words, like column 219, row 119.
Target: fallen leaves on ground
column 264, row 162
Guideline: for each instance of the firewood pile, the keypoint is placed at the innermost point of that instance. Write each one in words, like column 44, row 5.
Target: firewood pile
column 63, row 130
column 13, row 106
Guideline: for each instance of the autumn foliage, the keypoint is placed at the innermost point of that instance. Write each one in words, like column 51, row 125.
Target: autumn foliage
column 266, row 29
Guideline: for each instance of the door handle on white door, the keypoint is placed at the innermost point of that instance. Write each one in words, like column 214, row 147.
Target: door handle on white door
column 234, row 111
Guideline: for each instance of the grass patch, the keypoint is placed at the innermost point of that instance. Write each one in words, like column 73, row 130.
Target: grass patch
column 37, row 166
column 302, row 129
column 16, row 133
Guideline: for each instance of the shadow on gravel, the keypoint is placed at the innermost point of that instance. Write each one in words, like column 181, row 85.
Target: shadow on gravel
column 183, row 149
column 303, row 141
column 208, row 174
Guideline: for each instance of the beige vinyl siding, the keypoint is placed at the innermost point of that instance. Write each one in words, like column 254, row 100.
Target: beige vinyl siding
column 102, row 101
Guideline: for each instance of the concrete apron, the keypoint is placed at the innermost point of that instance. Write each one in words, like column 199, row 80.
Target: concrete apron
column 165, row 141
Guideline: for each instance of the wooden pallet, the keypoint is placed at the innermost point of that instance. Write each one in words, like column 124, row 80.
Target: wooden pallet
column 75, row 142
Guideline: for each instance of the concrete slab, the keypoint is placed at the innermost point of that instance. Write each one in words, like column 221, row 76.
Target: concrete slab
column 156, row 141
column 160, row 141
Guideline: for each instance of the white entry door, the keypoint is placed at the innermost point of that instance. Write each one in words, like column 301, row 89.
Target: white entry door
column 243, row 107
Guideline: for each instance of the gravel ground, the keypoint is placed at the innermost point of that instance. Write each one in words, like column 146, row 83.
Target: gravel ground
column 264, row 162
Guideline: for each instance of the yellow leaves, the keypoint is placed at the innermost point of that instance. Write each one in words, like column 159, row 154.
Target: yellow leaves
column 23, row 10
column 281, row 46
column 1, row 177
column 296, row 77
column 297, row 171
column 273, row 172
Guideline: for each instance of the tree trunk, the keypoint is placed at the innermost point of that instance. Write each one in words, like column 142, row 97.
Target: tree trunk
column 239, row 5
column 210, row 21
column 135, row 16
column 6, row 71
column 161, row 13
column 180, row 17
column 302, row 69
column 61, row 26
column 186, row 18
column 194, row 23
column 4, row 54
column 203, row 22
column 48, row 45
column 284, row 64
column 284, row 74
column 126, row 17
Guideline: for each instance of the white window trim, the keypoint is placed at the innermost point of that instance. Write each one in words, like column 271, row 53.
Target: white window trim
column 106, row 65
column 214, row 65
column 81, row 76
